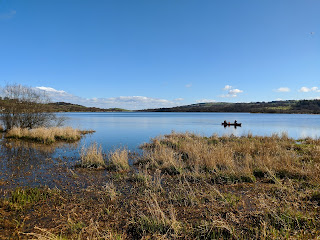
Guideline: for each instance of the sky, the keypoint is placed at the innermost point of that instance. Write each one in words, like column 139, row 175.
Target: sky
column 138, row 54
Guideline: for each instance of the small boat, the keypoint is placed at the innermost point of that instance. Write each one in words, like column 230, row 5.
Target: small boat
column 231, row 124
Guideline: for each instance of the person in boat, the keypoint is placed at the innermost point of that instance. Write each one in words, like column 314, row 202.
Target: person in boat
column 235, row 122
column 225, row 122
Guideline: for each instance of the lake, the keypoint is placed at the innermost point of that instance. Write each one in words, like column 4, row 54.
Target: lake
column 29, row 164
column 130, row 129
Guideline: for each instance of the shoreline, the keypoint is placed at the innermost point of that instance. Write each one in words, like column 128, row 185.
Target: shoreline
column 181, row 185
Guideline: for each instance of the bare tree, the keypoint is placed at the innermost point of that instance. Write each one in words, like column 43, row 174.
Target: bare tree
column 26, row 107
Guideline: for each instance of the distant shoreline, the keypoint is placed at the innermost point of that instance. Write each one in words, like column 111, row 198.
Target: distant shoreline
column 278, row 107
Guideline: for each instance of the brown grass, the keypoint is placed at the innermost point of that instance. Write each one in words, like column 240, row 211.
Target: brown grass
column 118, row 159
column 46, row 135
column 238, row 156
column 183, row 186
column 92, row 157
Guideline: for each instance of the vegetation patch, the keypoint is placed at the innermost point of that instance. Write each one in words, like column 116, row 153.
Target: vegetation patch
column 118, row 160
column 182, row 186
column 46, row 135
column 92, row 157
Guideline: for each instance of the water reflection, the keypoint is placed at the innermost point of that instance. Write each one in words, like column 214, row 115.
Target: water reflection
column 27, row 163
column 133, row 129
column 234, row 126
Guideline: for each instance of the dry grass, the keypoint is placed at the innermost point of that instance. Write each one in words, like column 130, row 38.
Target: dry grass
column 245, row 157
column 156, row 220
column 92, row 157
column 118, row 160
column 184, row 187
column 46, row 135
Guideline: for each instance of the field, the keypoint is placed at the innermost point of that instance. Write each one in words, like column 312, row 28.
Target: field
column 180, row 186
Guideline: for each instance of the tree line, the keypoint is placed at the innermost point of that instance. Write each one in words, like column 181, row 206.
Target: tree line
column 289, row 106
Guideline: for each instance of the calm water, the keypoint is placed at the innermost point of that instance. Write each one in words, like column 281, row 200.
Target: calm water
column 28, row 164
column 132, row 129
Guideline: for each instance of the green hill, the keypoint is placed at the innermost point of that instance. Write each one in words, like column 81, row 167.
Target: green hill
column 289, row 106
column 69, row 107
column 66, row 107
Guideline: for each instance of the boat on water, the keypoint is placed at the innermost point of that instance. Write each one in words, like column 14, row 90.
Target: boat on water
column 231, row 124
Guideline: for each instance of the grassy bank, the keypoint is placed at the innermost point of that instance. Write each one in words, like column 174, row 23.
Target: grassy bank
column 46, row 135
column 182, row 186
column 242, row 158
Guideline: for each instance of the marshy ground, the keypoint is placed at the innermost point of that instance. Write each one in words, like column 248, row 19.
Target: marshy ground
column 181, row 186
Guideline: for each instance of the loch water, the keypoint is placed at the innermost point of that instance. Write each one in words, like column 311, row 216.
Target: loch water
column 29, row 164
column 130, row 129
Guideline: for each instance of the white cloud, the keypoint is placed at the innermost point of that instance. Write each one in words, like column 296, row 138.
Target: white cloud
column 205, row 101
column 178, row 99
column 235, row 91
column 127, row 102
column 306, row 89
column 188, row 85
column 232, row 92
column 8, row 15
column 50, row 89
column 283, row 89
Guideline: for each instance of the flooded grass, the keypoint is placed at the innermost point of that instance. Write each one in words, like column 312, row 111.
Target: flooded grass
column 118, row 160
column 182, row 186
column 92, row 157
column 47, row 135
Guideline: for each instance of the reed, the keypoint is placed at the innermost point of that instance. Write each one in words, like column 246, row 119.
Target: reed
column 92, row 156
column 244, row 156
column 185, row 186
column 46, row 135
column 118, row 160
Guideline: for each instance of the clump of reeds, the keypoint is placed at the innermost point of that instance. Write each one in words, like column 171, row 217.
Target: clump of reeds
column 46, row 135
column 241, row 158
column 118, row 160
column 92, row 157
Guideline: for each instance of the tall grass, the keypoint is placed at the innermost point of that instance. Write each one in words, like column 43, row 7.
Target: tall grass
column 118, row 159
column 46, row 135
column 185, row 187
column 229, row 155
column 92, row 157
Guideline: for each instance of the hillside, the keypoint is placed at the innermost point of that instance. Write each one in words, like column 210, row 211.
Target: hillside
column 67, row 107
column 289, row 106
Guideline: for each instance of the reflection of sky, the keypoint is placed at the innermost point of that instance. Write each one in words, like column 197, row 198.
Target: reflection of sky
column 25, row 164
column 132, row 129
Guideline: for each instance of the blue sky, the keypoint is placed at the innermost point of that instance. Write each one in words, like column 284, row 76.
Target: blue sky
column 160, row 53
